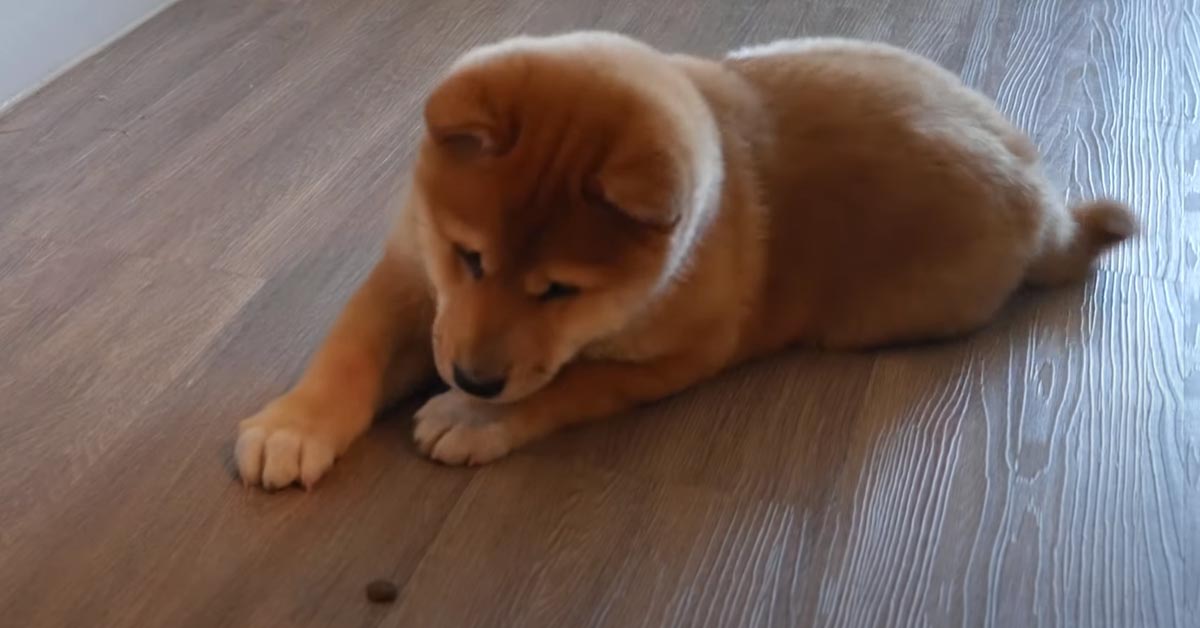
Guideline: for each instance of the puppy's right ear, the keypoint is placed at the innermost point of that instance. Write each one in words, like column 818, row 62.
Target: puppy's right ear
column 462, row 119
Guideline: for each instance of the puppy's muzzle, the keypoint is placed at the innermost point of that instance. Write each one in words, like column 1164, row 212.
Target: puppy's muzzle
column 479, row 386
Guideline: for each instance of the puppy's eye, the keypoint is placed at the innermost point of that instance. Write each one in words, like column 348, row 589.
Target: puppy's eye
column 471, row 260
column 558, row 291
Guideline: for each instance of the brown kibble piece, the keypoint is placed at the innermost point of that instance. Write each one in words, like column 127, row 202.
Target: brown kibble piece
column 381, row 591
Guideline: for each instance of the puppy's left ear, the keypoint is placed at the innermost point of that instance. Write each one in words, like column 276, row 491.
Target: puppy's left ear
column 652, row 188
column 461, row 118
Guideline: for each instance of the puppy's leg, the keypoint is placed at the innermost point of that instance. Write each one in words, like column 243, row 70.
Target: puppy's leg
column 377, row 350
column 456, row 428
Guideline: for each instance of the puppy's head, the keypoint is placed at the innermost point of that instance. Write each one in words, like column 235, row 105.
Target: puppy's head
column 560, row 184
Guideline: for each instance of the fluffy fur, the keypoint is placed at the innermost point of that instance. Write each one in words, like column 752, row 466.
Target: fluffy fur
column 593, row 224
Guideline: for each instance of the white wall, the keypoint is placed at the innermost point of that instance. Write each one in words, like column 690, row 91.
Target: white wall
column 39, row 39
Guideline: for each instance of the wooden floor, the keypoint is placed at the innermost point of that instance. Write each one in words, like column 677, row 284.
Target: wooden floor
column 181, row 216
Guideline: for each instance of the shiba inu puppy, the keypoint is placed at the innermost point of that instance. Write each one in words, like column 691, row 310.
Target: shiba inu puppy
column 594, row 224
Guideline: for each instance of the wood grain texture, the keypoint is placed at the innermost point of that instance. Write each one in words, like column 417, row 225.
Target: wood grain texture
column 183, row 214
column 1139, row 128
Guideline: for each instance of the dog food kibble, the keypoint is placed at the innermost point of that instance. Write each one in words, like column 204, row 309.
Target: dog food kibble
column 381, row 591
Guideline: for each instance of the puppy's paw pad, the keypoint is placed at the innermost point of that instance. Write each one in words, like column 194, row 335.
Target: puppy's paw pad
column 429, row 429
column 276, row 451
column 471, row 444
column 455, row 429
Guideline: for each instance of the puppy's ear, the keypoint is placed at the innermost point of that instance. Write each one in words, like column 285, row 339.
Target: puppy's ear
column 650, row 188
column 462, row 119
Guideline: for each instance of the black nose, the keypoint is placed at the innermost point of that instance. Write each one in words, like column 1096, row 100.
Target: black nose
column 485, row 388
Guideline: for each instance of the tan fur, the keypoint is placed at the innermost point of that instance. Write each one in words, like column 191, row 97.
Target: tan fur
column 825, row 193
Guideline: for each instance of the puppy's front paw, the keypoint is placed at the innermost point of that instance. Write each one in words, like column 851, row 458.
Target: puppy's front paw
column 455, row 429
column 284, row 443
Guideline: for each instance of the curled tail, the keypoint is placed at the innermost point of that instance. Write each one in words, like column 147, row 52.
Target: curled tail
column 1088, row 230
